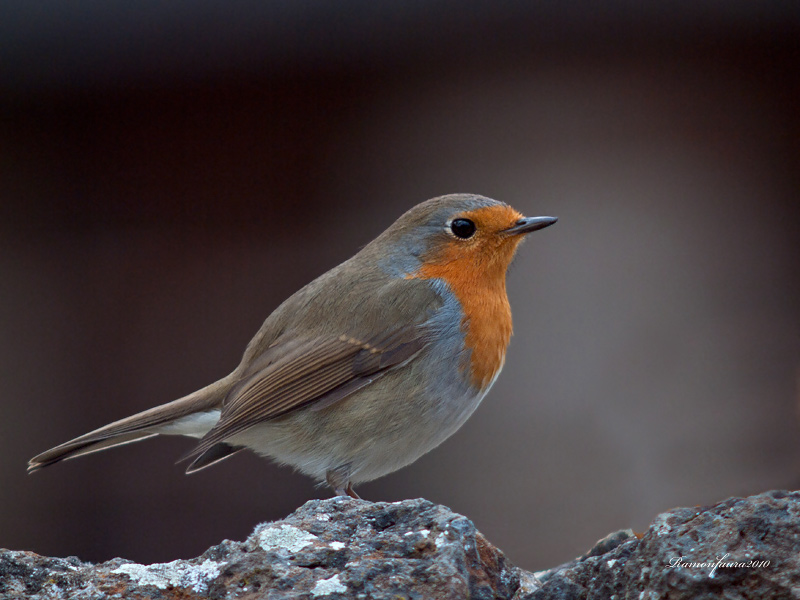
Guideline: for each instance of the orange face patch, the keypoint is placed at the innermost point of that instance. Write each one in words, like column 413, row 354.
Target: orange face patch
column 475, row 270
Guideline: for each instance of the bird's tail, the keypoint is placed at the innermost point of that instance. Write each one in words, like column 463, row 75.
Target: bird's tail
column 191, row 415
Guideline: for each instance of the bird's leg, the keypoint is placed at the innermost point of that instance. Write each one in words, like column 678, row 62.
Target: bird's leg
column 351, row 492
column 339, row 480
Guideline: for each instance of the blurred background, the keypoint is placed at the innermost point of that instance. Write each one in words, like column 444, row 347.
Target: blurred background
column 170, row 172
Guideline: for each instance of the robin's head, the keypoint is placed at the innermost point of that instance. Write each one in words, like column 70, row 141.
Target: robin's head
column 464, row 232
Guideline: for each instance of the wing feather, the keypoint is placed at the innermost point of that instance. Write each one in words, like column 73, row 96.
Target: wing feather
column 313, row 371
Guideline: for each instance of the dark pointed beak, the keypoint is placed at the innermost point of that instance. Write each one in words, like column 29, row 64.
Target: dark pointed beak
column 529, row 224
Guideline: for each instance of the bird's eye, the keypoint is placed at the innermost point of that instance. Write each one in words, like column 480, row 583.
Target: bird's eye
column 462, row 228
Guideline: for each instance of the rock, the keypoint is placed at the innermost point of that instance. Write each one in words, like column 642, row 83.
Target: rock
column 336, row 548
column 344, row 548
column 739, row 548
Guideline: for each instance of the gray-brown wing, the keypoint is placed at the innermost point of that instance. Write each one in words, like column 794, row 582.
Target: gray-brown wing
column 317, row 371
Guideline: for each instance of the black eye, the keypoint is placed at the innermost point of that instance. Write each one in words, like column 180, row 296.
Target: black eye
column 462, row 228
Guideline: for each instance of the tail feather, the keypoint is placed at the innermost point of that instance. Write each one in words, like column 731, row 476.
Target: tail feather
column 140, row 426
column 76, row 448
column 212, row 456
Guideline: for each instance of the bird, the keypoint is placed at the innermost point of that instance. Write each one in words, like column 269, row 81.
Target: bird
column 368, row 367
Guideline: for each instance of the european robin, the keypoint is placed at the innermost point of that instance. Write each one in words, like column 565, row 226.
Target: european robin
column 369, row 366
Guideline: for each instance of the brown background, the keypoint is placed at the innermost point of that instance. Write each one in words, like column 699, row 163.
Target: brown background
column 170, row 172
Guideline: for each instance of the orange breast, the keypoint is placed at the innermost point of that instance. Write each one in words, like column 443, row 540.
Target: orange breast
column 476, row 274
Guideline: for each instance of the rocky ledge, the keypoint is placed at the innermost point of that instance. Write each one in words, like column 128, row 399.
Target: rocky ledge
column 344, row 548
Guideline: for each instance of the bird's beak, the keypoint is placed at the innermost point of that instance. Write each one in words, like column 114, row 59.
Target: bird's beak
column 528, row 224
